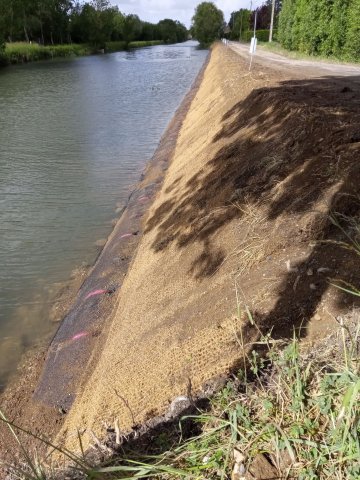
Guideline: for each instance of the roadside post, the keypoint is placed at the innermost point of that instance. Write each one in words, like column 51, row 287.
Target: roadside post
column 253, row 42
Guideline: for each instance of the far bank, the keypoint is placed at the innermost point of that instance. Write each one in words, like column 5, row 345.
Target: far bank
column 21, row 52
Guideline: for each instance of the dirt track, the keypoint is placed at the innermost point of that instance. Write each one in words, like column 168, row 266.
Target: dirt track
column 260, row 161
column 303, row 68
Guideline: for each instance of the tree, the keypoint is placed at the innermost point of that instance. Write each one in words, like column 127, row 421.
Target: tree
column 167, row 30
column 286, row 22
column 2, row 40
column 352, row 44
column 338, row 27
column 171, row 31
column 239, row 23
column 208, row 23
column 132, row 28
column 325, row 27
column 64, row 21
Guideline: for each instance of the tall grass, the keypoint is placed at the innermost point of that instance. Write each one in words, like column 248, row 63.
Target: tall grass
column 148, row 43
column 20, row 52
column 115, row 46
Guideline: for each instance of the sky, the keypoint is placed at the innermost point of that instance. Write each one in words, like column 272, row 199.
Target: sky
column 182, row 10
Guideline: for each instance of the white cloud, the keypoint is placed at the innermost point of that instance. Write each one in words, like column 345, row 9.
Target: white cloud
column 183, row 10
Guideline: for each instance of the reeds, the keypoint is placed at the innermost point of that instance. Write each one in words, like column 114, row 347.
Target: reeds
column 21, row 52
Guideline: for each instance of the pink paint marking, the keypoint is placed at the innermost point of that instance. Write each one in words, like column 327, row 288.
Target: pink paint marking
column 95, row 292
column 144, row 199
column 126, row 235
column 79, row 335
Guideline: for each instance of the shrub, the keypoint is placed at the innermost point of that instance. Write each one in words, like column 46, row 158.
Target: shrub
column 20, row 52
column 261, row 35
column 149, row 43
column 115, row 46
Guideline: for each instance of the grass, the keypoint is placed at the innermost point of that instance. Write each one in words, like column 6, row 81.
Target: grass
column 115, row 46
column 149, row 43
column 21, row 52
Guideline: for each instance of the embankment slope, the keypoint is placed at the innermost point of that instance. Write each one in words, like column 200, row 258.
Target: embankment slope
column 260, row 161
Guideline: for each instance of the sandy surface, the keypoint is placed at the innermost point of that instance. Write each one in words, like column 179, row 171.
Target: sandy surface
column 260, row 160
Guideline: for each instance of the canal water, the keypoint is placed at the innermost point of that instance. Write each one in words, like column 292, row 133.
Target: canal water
column 74, row 137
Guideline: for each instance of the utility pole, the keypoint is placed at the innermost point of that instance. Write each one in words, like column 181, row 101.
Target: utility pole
column 272, row 21
column 256, row 11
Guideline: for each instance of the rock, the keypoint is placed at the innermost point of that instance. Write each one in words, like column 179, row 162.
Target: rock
column 289, row 268
column 178, row 405
column 239, row 469
column 310, row 272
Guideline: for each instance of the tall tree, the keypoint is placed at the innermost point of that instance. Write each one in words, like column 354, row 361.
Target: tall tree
column 239, row 23
column 338, row 27
column 208, row 23
column 132, row 27
column 286, row 22
column 352, row 44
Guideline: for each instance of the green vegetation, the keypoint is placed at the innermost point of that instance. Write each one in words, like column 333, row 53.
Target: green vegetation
column 150, row 43
column 239, row 24
column 242, row 21
column 321, row 27
column 115, row 46
column 208, row 23
column 39, row 29
column 294, row 408
column 121, row 45
column 170, row 31
column 261, row 35
column 19, row 52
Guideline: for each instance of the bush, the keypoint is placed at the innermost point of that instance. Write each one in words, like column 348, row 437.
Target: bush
column 149, row 43
column 21, row 52
column 208, row 23
column 115, row 46
column 261, row 35
column 321, row 27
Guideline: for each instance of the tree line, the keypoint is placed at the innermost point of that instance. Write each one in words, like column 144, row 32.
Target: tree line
column 209, row 25
column 243, row 20
column 321, row 27
column 50, row 22
column 316, row 27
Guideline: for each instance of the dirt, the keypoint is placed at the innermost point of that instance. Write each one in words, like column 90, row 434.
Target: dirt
column 263, row 161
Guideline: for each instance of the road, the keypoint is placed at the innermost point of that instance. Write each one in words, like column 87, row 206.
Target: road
column 302, row 68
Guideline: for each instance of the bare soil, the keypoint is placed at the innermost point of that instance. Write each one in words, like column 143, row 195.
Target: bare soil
column 262, row 162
